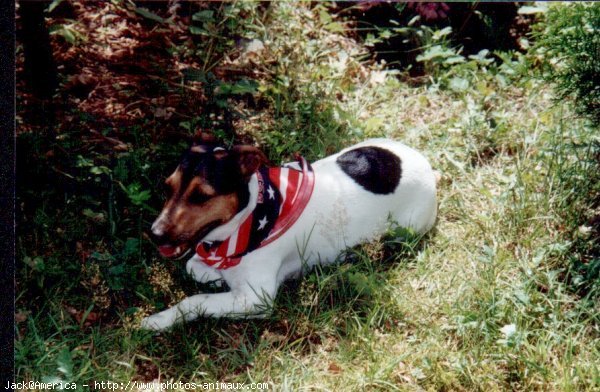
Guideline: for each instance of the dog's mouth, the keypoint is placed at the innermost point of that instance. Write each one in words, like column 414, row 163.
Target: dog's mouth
column 171, row 251
column 175, row 251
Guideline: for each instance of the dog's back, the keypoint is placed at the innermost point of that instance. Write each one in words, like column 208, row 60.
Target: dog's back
column 358, row 193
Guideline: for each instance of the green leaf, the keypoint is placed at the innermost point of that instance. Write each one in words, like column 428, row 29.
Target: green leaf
column 65, row 363
column 118, row 269
column 244, row 86
column 53, row 5
column 324, row 17
column 435, row 52
column 84, row 162
column 373, row 124
column 531, row 10
column 194, row 75
column 334, row 27
column 385, row 34
column 187, row 125
column 66, row 33
column 135, row 193
column 522, row 296
column 198, row 30
column 459, row 84
column 52, row 380
column 414, row 20
column 102, row 256
column 97, row 170
column 149, row 15
column 140, row 197
column 95, row 216
column 131, row 311
column 481, row 57
column 439, row 34
column 132, row 246
column 37, row 263
column 458, row 59
column 364, row 284
column 203, row 16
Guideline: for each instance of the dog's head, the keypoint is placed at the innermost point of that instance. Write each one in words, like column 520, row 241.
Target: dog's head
column 208, row 188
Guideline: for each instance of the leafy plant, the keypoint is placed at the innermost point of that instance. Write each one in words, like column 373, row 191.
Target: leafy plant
column 568, row 44
column 64, row 362
column 137, row 195
column 149, row 15
column 68, row 32
column 438, row 53
column 579, row 212
column 214, row 28
column 567, row 52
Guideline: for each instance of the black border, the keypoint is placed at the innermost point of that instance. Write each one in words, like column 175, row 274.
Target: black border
column 7, row 189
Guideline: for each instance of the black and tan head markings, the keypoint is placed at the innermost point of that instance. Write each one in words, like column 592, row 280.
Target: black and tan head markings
column 376, row 169
column 209, row 186
column 202, row 180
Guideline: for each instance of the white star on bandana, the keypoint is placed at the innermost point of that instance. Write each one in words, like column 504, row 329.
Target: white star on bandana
column 262, row 223
column 271, row 192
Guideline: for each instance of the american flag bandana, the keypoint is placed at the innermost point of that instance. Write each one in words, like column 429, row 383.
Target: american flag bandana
column 283, row 192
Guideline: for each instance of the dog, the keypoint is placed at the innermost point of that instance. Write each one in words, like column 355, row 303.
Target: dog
column 254, row 226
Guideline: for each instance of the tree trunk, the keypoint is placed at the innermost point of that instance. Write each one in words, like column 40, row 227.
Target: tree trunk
column 40, row 68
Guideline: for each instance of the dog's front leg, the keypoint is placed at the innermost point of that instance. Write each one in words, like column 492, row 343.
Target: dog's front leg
column 235, row 303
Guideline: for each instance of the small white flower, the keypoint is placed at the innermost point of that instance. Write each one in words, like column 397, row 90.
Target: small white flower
column 585, row 231
column 508, row 330
column 377, row 77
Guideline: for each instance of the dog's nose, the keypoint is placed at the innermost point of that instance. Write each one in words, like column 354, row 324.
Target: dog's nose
column 156, row 234
column 157, row 231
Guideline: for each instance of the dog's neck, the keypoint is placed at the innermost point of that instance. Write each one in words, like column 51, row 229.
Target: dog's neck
column 224, row 231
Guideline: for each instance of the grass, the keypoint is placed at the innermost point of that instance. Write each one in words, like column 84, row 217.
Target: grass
column 488, row 300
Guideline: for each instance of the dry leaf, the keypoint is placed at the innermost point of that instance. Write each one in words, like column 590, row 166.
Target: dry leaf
column 334, row 368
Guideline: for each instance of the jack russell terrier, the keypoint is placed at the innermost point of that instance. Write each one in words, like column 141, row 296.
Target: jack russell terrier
column 255, row 226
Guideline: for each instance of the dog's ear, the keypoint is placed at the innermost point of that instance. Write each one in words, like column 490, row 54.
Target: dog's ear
column 249, row 159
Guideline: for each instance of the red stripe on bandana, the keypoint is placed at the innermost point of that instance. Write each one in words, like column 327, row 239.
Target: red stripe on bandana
column 304, row 191
column 278, row 177
column 290, row 191
column 244, row 236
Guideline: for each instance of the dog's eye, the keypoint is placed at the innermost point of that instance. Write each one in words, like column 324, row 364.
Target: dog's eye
column 197, row 198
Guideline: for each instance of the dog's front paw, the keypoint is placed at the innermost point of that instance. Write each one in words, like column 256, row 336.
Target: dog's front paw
column 158, row 322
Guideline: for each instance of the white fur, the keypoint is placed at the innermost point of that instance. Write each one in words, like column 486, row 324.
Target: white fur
column 340, row 214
